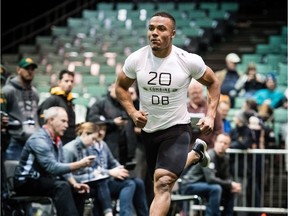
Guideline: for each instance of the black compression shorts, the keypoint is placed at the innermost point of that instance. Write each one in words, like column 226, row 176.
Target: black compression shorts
column 167, row 149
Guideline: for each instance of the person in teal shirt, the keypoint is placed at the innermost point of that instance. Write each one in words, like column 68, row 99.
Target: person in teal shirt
column 270, row 94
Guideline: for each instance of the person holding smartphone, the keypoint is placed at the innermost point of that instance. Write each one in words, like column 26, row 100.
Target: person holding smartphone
column 129, row 190
column 42, row 170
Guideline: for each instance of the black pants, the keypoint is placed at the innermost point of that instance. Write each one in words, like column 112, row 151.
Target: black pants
column 59, row 190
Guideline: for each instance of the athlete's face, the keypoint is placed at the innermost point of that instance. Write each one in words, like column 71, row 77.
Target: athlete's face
column 160, row 33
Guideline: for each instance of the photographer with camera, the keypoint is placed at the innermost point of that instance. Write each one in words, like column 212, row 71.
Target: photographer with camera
column 21, row 102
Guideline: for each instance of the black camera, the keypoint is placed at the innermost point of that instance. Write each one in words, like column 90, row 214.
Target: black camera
column 12, row 124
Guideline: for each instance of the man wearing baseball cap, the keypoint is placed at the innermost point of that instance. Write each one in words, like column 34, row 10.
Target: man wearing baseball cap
column 229, row 76
column 22, row 103
column 27, row 62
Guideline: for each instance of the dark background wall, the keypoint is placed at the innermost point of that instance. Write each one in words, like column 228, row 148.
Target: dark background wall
column 14, row 13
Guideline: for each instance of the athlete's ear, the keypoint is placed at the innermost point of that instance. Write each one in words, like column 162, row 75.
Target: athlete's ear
column 173, row 33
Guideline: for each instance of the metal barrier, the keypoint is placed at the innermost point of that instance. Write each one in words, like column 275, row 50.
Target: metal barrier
column 264, row 181
column 263, row 177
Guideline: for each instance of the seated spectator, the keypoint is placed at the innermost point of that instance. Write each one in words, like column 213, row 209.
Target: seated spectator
column 130, row 191
column 213, row 182
column 229, row 76
column 87, row 134
column 249, row 82
column 197, row 107
column 241, row 136
column 266, row 114
column 270, row 94
column 223, row 109
column 42, row 171
column 249, row 108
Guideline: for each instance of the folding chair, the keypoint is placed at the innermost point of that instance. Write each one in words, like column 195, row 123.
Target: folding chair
column 177, row 198
column 20, row 205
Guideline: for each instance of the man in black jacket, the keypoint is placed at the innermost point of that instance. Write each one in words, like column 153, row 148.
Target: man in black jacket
column 61, row 95
column 120, row 137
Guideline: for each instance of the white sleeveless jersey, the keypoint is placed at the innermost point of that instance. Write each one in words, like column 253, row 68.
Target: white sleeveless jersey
column 163, row 84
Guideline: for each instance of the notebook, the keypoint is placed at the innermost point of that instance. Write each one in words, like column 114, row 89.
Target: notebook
column 97, row 178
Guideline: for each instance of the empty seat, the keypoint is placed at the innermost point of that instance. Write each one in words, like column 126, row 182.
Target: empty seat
column 229, row 6
column 97, row 91
column 73, row 22
column 11, row 67
column 107, row 69
column 62, row 40
column 43, row 40
column 10, row 58
column 59, row 30
column 166, row 6
column 186, row 6
column 109, row 79
column 45, row 49
column 197, row 14
column 43, row 88
column 82, row 69
column 210, row 6
column 149, row 6
column 104, row 6
column 263, row 68
column 274, row 60
column 219, row 15
column 88, row 14
column 89, row 80
column 40, row 79
column 263, row 49
column 251, row 58
column 125, row 5
column 27, row 49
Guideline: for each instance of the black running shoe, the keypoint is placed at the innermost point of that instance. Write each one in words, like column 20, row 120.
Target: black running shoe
column 201, row 148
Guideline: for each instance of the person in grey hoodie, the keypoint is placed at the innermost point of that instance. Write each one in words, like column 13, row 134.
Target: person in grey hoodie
column 22, row 103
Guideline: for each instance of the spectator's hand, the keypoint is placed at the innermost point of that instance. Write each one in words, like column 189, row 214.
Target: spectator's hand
column 139, row 118
column 119, row 172
column 137, row 130
column 236, row 187
column 4, row 121
column 206, row 125
column 119, row 121
column 87, row 161
column 81, row 188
